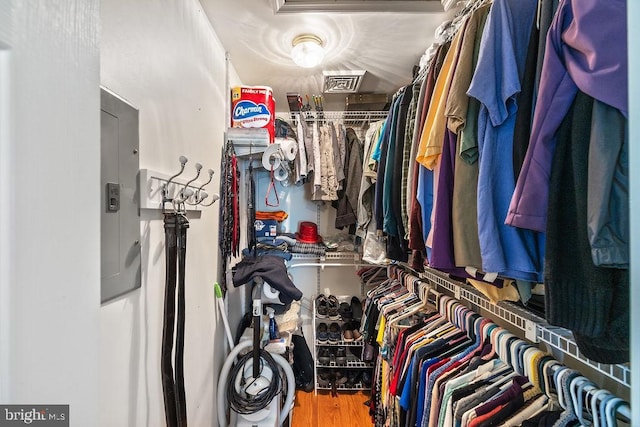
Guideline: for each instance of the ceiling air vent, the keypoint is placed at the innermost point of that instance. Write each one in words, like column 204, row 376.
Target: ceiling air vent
column 342, row 81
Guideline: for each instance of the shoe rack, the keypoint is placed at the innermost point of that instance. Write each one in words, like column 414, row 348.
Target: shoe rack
column 346, row 369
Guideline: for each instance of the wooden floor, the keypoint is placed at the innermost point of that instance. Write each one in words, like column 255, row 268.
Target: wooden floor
column 324, row 410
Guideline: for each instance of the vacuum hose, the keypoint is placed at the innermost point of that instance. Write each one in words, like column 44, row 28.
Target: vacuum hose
column 224, row 374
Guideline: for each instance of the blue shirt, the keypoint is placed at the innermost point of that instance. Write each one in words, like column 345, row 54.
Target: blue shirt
column 422, row 386
column 506, row 250
column 424, row 195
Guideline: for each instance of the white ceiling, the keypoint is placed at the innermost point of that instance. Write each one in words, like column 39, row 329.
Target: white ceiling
column 385, row 44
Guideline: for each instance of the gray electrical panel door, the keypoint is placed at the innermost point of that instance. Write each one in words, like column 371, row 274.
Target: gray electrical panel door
column 120, row 213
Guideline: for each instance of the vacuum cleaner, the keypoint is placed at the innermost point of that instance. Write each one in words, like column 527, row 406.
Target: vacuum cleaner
column 252, row 382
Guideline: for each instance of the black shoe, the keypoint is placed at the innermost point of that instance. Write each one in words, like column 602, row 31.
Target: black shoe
column 345, row 311
column 366, row 379
column 332, row 308
column 356, row 308
column 334, row 333
column 356, row 351
column 324, row 356
column 341, row 356
column 322, row 333
column 321, row 306
column 323, row 378
column 340, row 377
column 353, row 378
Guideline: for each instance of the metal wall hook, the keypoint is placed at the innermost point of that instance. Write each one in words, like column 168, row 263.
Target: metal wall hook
column 165, row 188
column 185, row 187
column 214, row 199
column 185, row 193
column 200, row 195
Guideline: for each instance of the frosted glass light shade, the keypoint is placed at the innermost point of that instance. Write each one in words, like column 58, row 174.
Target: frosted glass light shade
column 307, row 50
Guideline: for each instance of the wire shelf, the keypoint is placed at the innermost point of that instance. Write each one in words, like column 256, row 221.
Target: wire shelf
column 340, row 343
column 535, row 328
column 349, row 364
column 353, row 256
column 562, row 340
column 354, row 387
column 335, row 115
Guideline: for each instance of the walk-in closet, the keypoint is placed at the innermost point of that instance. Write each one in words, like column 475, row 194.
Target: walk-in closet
column 387, row 213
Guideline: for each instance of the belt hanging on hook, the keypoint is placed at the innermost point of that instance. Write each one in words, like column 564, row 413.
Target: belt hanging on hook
column 173, row 321
column 173, row 325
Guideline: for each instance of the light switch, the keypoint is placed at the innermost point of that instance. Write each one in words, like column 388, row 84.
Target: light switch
column 113, row 197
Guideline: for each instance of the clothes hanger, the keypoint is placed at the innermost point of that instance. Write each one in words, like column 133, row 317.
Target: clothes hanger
column 544, row 364
column 409, row 311
column 531, row 357
column 394, row 310
column 594, row 406
column 611, row 410
column 562, row 378
column 384, row 288
column 578, row 388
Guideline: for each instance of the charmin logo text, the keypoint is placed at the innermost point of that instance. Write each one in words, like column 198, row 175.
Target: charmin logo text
column 251, row 114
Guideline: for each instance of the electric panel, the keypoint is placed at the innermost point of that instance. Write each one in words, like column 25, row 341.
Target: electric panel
column 120, row 213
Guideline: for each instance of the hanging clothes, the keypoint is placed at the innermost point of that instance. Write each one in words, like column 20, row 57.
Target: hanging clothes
column 587, row 50
column 348, row 197
column 591, row 301
column 419, row 220
column 367, row 184
column 407, row 158
column 393, row 177
column 435, row 123
column 301, row 158
column 505, row 250
column 464, row 205
column 328, row 179
column 451, row 367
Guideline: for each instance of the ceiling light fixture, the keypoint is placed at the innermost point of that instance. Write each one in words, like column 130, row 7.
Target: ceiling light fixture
column 307, row 50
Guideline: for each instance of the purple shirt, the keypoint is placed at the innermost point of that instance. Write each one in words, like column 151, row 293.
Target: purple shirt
column 442, row 251
column 587, row 50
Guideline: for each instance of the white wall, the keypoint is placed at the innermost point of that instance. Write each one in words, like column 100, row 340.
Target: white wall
column 49, row 182
column 165, row 59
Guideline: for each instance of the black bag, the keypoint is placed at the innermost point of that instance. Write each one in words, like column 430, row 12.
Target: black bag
column 302, row 364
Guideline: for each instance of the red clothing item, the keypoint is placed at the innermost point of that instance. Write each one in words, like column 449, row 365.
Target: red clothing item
column 476, row 422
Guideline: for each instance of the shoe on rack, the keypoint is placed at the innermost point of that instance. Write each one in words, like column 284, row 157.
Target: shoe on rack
column 366, row 379
column 356, row 308
column 324, row 356
column 322, row 334
column 356, row 350
column 339, row 377
column 321, row 306
column 345, row 311
column 332, row 307
column 355, row 330
column 347, row 333
column 323, row 378
column 341, row 356
column 334, row 333
column 353, row 378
